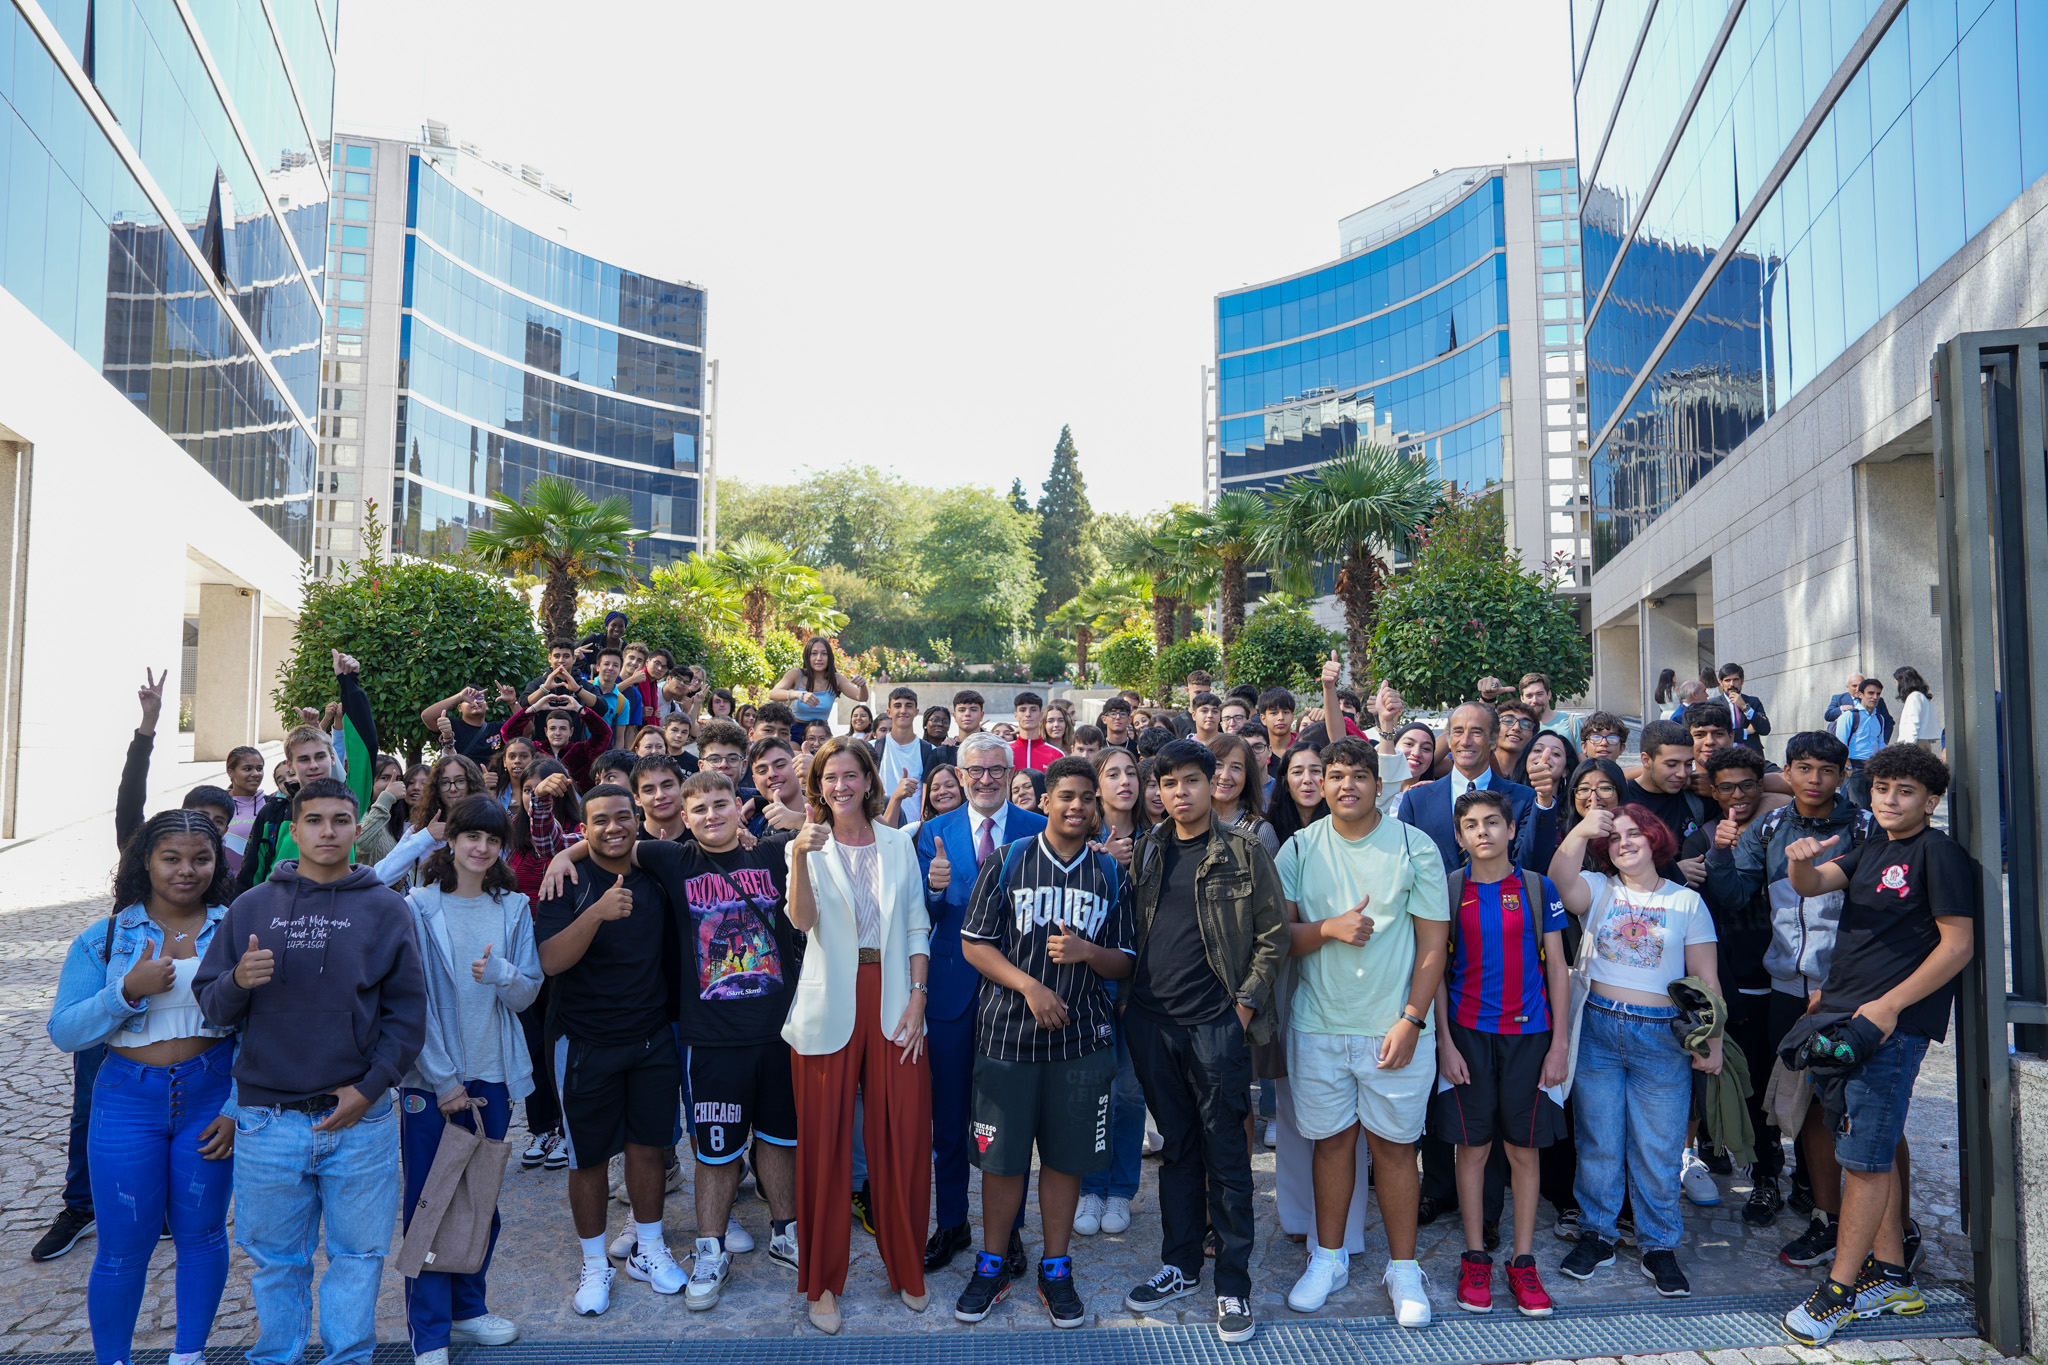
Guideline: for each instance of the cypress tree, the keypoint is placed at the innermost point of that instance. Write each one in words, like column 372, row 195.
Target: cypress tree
column 1066, row 554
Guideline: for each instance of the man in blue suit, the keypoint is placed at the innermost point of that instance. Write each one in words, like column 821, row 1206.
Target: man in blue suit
column 1470, row 737
column 950, row 849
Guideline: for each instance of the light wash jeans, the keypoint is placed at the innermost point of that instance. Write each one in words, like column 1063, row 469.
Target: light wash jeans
column 1119, row 1179
column 1632, row 1095
column 287, row 1177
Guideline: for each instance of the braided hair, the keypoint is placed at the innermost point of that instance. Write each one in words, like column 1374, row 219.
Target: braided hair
column 131, row 875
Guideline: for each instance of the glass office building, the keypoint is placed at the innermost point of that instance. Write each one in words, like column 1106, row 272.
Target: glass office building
column 471, row 351
column 1448, row 328
column 1763, row 182
column 163, row 207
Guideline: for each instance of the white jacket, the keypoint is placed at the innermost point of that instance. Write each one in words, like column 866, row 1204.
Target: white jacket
column 821, row 1016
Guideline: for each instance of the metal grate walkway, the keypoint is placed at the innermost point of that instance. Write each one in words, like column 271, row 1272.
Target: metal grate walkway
column 1700, row 1324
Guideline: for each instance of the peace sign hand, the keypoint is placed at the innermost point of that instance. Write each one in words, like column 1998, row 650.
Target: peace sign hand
column 151, row 695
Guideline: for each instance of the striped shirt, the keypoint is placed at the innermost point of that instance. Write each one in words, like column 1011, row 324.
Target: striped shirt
column 1495, row 980
column 862, row 864
column 1023, row 895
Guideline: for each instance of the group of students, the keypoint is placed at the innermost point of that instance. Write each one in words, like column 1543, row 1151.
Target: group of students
column 864, row 964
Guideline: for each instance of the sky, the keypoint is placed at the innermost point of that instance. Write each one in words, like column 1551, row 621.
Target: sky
column 934, row 234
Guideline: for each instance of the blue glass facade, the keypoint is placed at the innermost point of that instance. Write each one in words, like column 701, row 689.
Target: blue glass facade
column 519, row 358
column 1937, row 128
column 89, row 232
column 1412, row 332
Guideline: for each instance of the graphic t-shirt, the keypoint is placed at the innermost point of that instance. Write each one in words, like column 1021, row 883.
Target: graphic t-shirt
column 618, row 992
column 1640, row 937
column 1018, row 911
column 1496, row 981
column 1897, row 888
column 737, row 944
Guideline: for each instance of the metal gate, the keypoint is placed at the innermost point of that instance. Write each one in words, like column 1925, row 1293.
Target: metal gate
column 1991, row 488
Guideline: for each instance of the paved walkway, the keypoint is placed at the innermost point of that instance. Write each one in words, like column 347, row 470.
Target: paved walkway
column 53, row 886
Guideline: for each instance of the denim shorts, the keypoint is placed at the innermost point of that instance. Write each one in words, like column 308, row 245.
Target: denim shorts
column 1875, row 1100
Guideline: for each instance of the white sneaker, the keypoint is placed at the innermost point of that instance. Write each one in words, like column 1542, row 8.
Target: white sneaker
column 437, row 1356
column 1324, row 1276
column 1116, row 1214
column 709, row 1270
column 658, row 1268
column 558, row 1151
column 782, row 1248
column 536, row 1152
column 672, row 1178
column 593, row 1290
column 1697, row 1182
column 737, row 1238
column 1088, row 1215
column 487, row 1329
column 1404, row 1281
column 1271, row 1137
column 623, row 1244
column 1154, row 1144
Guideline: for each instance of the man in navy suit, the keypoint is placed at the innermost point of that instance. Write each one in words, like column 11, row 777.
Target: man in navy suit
column 966, row 835
column 1469, row 737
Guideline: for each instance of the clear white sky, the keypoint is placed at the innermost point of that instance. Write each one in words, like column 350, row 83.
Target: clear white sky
column 933, row 233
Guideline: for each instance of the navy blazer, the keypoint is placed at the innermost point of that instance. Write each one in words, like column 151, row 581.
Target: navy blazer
column 1428, row 808
column 951, row 983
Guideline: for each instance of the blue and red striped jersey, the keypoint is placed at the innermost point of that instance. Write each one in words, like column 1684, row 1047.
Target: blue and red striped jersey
column 1496, row 974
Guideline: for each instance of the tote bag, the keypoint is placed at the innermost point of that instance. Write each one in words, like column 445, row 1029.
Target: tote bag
column 451, row 1225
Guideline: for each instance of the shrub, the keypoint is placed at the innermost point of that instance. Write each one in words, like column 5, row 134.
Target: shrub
column 1280, row 647
column 782, row 652
column 1182, row 658
column 1126, row 659
column 1048, row 659
column 736, row 662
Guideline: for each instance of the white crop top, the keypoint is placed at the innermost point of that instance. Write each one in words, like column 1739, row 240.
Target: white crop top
column 172, row 1014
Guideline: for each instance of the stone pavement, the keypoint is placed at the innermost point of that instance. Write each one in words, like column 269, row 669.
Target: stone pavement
column 53, row 886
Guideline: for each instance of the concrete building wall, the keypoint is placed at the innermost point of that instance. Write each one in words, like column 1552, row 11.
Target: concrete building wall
column 1819, row 529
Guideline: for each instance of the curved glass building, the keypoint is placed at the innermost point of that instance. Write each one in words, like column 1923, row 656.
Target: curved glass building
column 1449, row 327
column 471, row 351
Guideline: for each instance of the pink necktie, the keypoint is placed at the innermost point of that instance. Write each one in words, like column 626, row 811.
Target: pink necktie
column 986, row 844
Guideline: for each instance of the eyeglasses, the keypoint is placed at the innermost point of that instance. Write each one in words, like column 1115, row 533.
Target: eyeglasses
column 453, row 784
column 1601, row 789
column 1517, row 723
column 1737, row 788
column 984, row 774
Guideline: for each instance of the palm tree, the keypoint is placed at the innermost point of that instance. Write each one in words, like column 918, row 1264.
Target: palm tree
column 811, row 612
column 1104, row 607
column 695, row 585
column 1228, row 534
column 1365, row 503
column 559, row 535
column 1189, row 575
column 763, row 576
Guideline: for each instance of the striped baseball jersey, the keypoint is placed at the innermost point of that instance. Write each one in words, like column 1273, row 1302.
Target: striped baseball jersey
column 1023, row 895
column 1495, row 980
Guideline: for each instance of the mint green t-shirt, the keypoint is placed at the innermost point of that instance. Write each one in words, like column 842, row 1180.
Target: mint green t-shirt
column 1346, row 989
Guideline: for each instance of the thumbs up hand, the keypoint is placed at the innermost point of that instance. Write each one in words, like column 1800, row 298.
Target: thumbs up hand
column 151, row 975
column 1354, row 926
column 615, row 903
column 940, row 876
column 1332, row 668
column 256, row 967
column 1067, row 946
column 478, row 968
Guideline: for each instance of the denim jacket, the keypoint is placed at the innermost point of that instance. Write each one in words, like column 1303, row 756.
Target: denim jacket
column 90, row 1008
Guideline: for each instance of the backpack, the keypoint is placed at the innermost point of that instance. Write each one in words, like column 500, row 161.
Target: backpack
column 1456, row 880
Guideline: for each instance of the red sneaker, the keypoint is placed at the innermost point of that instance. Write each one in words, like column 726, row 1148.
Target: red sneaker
column 1530, row 1299
column 1475, row 1282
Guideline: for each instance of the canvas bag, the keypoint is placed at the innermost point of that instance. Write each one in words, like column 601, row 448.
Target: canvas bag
column 1582, row 986
column 451, row 1225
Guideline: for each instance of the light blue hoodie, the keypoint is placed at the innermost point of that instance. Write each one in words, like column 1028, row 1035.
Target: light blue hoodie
column 513, row 975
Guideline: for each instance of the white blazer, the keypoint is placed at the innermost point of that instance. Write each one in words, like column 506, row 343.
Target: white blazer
column 821, row 1016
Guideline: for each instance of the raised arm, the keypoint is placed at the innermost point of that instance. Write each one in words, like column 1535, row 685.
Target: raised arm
column 1567, row 865
column 1807, row 879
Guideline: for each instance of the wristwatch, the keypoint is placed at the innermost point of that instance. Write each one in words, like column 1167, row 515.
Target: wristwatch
column 919, row 986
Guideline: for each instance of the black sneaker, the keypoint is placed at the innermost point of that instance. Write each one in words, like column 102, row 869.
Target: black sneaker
column 1764, row 1203
column 1490, row 1231
column 1915, row 1247
column 1234, row 1319
column 1589, row 1255
column 63, row 1235
column 1014, row 1260
column 1169, row 1284
column 1661, row 1268
column 1815, row 1246
column 985, row 1289
column 1056, row 1291
column 1801, row 1202
column 863, row 1209
column 1428, row 1210
column 1567, row 1227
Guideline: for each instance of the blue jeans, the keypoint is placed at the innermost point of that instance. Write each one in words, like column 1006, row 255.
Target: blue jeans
column 1876, row 1099
column 434, row 1299
column 1126, row 1131
column 287, row 1177
column 146, row 1170
column 1632, row 1094
column 85, row 1066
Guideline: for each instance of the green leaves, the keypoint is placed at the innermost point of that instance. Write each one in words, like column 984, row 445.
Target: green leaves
column 1279, row 647
column 1171, row 669
column 1126, row 659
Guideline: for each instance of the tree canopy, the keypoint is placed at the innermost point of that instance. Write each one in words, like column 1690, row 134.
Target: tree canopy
column 1067, row 558
column 979, row 567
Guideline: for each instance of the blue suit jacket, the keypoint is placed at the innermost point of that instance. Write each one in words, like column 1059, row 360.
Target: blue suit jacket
column 952, row 983
column 1429, row 807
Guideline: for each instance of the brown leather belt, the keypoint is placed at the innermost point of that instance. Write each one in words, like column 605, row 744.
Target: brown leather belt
column 870, row 957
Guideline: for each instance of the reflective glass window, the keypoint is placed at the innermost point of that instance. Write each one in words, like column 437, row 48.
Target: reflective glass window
column 359, row 156
column 355, row 210
column 357, row 182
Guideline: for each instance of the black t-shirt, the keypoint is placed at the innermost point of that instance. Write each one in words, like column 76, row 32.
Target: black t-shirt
column 1678, row 814
column 1897, row 888
column 1174, row 980
column 1742, row 931
column 1017, row 912
column 619, row 992
column 475, row 742
column 737, row 946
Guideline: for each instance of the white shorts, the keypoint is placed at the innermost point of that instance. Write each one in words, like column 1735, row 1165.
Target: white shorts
column 1337, row 1081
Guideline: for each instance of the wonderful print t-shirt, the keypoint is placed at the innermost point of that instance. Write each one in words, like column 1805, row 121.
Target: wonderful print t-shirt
column 738, row 946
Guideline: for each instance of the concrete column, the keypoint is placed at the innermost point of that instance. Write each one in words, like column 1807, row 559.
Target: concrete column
column 1618, row 669
column 224, row 704
column 1670, row 639
column 1896, row 553
column 280, row 634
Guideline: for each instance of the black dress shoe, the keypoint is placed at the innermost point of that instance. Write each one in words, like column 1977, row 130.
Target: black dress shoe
column 1429, row 1209
column 1015, row 1263
column 944, row 1245
column 1490, row 1231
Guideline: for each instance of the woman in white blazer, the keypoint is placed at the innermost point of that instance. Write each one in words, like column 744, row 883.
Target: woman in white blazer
column 857, row 1024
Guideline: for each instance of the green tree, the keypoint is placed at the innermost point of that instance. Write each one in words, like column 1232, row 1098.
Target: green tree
column 1172, row 668
column 423, row 630
column 659, row 621
column 1228, row 536
column 1361, row 506
column 736, row 662
column 1066, row 554
column 559, row 535
column 874, row 523
column 695, row 587
column 1126, row 659
column 1279, row 647
column 979, row 569
column 1469, row 609
column 876, row 613
column 1019, row 499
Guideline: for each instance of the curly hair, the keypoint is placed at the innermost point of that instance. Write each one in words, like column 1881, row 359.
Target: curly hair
column 132, row 885
column 432, row 807
column 473, row 814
